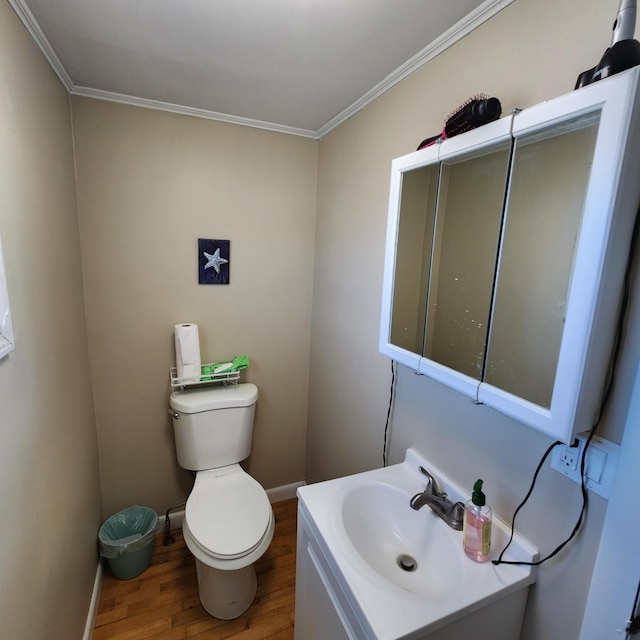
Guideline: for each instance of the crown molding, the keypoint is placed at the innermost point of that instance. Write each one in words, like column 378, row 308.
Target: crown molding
column 462, row 28
column 26, row 17
column 158, row 105
column 459, row 30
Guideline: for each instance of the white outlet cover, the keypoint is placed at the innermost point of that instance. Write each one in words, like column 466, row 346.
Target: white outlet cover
column 601, row 463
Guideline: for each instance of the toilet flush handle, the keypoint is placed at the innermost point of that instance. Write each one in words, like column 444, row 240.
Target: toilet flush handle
column 174, row 414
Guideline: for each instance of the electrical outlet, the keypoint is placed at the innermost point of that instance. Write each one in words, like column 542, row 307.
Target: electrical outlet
column 569, row 456
column 600, row 463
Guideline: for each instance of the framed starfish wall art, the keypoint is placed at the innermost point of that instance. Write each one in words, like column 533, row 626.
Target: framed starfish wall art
column 213, row 261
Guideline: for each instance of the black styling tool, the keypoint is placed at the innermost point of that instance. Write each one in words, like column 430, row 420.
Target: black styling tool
column 624, row 51
column 476, row 111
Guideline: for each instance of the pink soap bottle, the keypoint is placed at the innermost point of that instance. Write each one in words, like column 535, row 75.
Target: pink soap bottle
column 476, row 531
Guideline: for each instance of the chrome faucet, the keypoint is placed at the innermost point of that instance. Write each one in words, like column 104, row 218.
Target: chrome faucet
column 451, row 513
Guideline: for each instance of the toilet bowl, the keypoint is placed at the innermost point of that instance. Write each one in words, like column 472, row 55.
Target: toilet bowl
column 225, row 547
column 228, row 522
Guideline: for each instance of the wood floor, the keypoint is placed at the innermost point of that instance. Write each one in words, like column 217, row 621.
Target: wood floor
column 163, row 602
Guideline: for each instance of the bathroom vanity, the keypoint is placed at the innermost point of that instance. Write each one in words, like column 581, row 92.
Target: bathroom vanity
column 369, row 567
column 505, row 253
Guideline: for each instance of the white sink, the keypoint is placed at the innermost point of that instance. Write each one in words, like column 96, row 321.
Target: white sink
column 363, row 525
column 408, row 548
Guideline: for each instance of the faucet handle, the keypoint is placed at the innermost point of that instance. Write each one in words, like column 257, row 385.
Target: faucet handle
column 457, row 515
column 432, row 485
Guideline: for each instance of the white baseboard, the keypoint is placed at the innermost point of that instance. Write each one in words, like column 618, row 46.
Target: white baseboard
column 176, row 518
column 286, row 492
column 93, row 606
column 277, row 494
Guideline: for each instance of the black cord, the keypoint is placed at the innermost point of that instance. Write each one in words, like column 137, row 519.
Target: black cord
column 611, row 375
column 633, row 626
column 386, row 426
column 515, row 513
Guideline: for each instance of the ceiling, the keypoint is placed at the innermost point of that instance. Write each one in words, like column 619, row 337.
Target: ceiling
column 298, row 66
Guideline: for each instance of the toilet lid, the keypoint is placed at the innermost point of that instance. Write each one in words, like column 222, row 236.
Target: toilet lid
column 227, row 512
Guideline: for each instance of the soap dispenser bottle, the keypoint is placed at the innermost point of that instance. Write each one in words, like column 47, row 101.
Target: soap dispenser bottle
column 476, row 533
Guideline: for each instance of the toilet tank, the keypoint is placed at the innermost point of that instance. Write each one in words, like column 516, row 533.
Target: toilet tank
column 213, row 426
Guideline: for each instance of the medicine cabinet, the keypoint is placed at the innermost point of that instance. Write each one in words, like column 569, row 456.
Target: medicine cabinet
column 506, row 248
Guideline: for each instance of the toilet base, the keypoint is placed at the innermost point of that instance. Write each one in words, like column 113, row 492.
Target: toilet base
column 226, row 594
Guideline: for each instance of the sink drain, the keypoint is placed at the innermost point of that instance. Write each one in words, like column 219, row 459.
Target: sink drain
column 407, row 563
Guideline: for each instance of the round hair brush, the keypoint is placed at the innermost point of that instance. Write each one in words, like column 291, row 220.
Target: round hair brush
column 471, row 114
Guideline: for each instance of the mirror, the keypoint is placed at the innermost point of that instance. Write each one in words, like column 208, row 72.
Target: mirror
column 415, row 232
column 549, row 180
column 486, row 242
column 465, row 248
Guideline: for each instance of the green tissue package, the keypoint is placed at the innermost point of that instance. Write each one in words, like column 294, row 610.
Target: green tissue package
column 209, row 371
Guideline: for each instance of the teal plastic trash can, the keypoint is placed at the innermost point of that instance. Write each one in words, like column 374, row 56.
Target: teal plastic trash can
column 126, row 541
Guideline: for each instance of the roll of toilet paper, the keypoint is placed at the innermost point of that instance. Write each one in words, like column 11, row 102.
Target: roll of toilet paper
column 188, row 365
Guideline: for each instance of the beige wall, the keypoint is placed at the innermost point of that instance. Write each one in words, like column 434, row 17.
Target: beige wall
column 531, row 51
column 49, row 492
column 150, row 184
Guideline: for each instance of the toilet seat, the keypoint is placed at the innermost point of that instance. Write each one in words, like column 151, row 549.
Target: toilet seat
column 228, row 518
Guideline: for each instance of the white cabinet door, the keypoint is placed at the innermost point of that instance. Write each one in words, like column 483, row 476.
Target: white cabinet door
column 316, row 615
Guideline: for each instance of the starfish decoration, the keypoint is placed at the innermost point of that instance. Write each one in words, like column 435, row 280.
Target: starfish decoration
column 214, row 260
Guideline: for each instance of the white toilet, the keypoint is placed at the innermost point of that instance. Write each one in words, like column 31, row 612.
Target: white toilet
column 228, row 522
